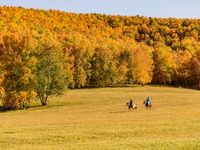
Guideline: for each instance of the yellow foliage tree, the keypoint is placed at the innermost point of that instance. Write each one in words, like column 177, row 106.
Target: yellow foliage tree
column 143, row 64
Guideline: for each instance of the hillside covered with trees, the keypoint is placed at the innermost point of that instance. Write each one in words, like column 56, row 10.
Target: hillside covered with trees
column 44, row 52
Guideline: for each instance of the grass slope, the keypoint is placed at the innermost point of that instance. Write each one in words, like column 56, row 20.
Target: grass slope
column 98, row 119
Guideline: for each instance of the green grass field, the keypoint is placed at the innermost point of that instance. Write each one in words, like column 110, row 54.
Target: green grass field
column 96, row 119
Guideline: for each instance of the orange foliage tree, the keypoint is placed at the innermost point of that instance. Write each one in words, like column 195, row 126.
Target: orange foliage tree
column 17, row 65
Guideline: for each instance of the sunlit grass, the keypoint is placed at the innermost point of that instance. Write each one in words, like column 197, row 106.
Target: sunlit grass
column 99, row 119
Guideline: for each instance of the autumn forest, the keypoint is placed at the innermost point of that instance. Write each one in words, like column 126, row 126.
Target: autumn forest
column 45, row 52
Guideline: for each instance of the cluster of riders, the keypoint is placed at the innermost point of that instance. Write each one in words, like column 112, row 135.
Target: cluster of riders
column 147, row 103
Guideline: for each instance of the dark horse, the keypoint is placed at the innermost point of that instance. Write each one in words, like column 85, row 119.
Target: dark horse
column 129, row 106
column 148, row 105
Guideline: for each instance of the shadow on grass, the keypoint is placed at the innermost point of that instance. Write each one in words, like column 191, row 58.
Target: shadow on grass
column 39, row 106
column 8, row 109
column 110, row 86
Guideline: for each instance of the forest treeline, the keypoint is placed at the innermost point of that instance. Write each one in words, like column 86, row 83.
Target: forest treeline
column 44, row 52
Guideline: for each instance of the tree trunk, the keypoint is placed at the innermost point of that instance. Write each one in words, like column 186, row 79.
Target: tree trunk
column 44, row 103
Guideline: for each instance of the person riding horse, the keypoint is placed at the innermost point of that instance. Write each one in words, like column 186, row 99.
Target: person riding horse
column 130, row 105
column 148, row 101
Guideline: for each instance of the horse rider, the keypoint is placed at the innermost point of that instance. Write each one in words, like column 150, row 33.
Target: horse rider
column 131, row 102
column 148, row 101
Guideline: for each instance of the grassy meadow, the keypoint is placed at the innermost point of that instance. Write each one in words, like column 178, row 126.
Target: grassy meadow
column 96, row 119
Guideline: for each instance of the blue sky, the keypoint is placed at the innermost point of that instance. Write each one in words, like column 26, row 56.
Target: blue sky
column 147, row 8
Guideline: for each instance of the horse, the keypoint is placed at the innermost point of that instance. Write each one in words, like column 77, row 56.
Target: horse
column 134, row 107
column 148, row 105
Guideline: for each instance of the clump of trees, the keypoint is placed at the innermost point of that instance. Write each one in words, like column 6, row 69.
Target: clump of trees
column 44, row 52
column 29, row 69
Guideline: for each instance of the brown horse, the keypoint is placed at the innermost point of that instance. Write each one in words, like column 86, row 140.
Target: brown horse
column 148, row 105
column 134, row 107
